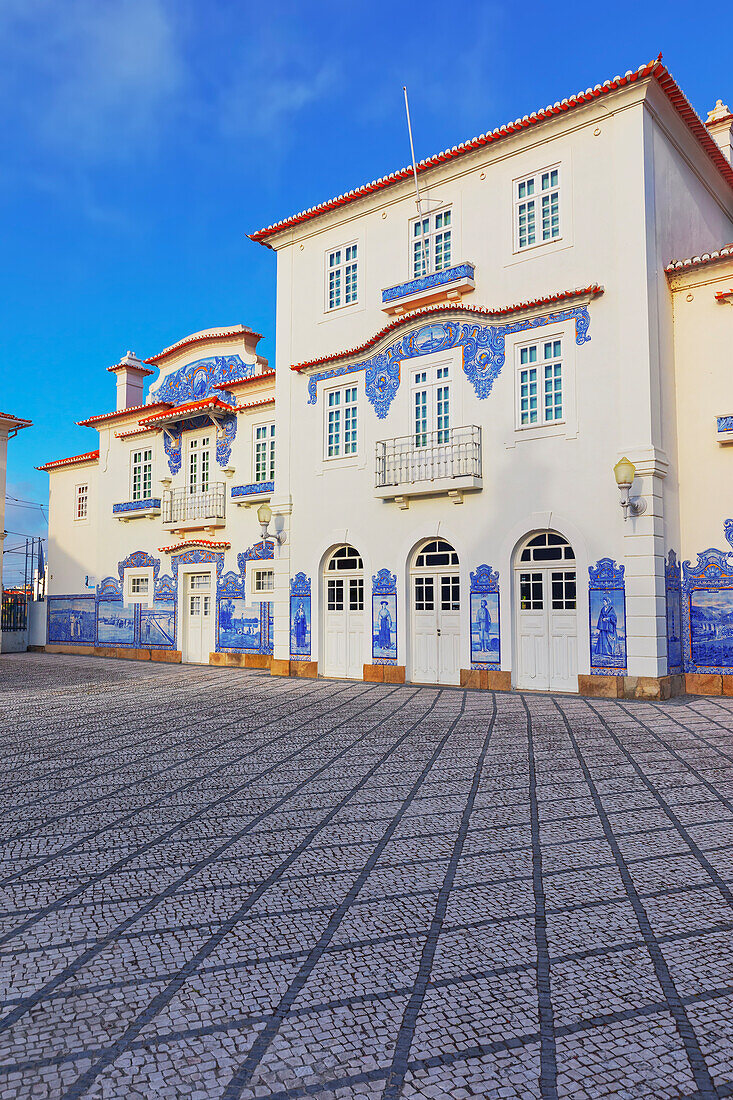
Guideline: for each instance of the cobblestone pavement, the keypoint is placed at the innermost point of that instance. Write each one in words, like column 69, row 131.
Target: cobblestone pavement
column 218, row 884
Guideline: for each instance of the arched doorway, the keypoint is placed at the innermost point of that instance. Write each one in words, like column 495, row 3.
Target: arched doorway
column 435, row 610
column 343, row 615
column 546, row 623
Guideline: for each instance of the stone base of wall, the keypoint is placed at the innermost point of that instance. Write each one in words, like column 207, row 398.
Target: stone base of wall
column 305, row 669
column 165, row 656
column 631, row 687
column 80, row 650
column 240, row 660
column 384, row 674
column 704, row 683
column 486, row 679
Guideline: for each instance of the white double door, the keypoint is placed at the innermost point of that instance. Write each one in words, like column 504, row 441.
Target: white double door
column 198, row 618
column 436, row 628
column 547, row 630
column 344, row 627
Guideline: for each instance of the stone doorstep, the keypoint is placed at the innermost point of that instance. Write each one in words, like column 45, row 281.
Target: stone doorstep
column 384, row 674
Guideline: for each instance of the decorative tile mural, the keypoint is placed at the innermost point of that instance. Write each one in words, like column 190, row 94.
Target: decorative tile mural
column 384, row 618
column 116, row 623
column 607, row 603
column 158, row 626
column 196, row 380
column 242, row 626
column 139, row 559
column 300, row 618
column 483, row 354
column 71, row 620
column 239, row 625
column 673, row 592
column 707, row 612
column 226, row 432
column 485, row 625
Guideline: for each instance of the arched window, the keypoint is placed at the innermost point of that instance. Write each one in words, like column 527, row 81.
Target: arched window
column 547, row 547
column 438, row 553
column 346, row 557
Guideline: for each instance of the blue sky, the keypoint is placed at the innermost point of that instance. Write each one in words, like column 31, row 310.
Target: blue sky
column 145, row 138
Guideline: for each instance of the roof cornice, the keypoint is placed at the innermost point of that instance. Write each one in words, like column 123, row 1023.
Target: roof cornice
column 651, row 70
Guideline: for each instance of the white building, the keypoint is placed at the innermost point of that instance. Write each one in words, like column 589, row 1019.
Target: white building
column 454, row 391
column 151, row 532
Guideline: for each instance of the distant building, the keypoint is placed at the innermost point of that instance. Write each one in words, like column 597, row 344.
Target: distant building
column 9, row 427
column 457, row 386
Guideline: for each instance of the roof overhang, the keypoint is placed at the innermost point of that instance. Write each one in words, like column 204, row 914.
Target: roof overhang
column 190, row 544
column 209, row 406
column 653, row 70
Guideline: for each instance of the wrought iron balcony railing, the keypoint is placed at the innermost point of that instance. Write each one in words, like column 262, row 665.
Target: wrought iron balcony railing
column 181, row 506
column 424, row 457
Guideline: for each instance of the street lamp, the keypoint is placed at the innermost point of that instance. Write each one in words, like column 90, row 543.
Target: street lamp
column 264, row 515
column 625, row 471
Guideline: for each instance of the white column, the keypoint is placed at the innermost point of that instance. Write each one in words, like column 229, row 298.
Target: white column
column 644, row 553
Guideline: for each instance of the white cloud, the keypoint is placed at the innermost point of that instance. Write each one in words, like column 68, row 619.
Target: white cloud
column 88, row 80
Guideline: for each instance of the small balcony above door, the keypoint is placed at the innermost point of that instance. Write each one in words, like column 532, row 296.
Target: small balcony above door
column 191, row 511
column 429, row 463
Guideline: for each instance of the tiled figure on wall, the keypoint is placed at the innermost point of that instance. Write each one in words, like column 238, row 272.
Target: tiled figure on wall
column 71, row 620
column 384, row 618
column 707, row 613
column 300, row 617
column 485, row 633
column 673, row 592
column 607, row 604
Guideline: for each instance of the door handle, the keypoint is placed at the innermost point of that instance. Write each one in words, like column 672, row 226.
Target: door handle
column 438, row 633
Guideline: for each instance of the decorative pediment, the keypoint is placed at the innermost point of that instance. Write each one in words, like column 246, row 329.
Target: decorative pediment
column 261, row 551
column 384, row 583
column 711, row 570
column 139, row 559
column 231, row 584
column 300, row 585
column 197, row 380
column 484, row 579
column 606, row 574
column 109, row 589
column 482, row 345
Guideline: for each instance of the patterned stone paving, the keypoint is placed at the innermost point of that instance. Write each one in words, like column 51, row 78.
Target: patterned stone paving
column 218, row 884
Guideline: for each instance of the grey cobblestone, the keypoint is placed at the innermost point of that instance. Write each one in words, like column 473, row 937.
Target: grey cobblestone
column 218, row 884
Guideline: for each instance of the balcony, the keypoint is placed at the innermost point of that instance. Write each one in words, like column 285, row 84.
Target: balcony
column 451, row 283
column 148, row 508
column 190, row 511
column 429, row 463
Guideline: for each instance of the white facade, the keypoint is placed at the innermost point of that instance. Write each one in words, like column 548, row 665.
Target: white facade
column 636, row 187
column 452, row 394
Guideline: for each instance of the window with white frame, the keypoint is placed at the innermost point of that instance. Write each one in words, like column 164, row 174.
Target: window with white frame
column 138, row 585
column 199, row 464
column 341, row 422
column 81, row 502
column 431, row 406
column 539, row 384
column 263, row 581
column 342, row 277
column 537, row 209
column 263, row 460
column 430, row 242
column 142, row 474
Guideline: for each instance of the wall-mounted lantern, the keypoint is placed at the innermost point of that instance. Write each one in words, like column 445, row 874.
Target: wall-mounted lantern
column 625, row 471
column 264, row 515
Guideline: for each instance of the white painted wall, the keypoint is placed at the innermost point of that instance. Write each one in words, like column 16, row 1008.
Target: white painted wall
column 635, row 189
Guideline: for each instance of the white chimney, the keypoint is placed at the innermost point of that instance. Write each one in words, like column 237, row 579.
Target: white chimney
column 720, row 126
column 131, row 374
